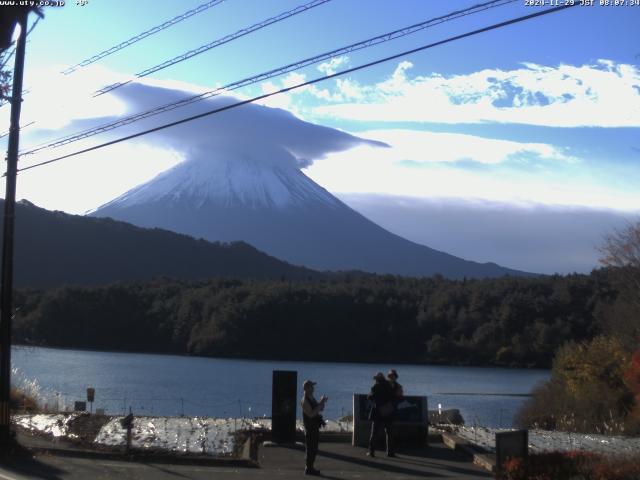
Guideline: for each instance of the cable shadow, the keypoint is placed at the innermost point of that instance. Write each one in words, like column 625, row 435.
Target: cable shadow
column 409, row 466
column 374, row 464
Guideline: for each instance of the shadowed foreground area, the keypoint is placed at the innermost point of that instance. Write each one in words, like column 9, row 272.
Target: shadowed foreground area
column 342, row 461
column 336, row 460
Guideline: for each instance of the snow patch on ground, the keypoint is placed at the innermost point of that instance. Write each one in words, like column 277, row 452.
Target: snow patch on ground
column 208, row 436
column 544, row 440
column 185, row 435
column 55, row 425
column 217, row 436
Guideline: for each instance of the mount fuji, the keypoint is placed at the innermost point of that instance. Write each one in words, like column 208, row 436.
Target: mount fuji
column 241, row 179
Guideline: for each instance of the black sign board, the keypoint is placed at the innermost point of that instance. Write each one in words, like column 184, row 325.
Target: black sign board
column 80, row 407
column 409, row 409
column 283, row 406
column 410, row 420
column 513, row 444
column 127, row 422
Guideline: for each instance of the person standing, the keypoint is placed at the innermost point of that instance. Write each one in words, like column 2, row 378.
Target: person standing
column 381, row 413
column 396, row 388
column 312, row 421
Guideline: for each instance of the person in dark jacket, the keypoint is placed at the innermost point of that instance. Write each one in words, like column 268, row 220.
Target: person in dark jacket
column 312, row 421
column 381, row 413
column 396, row 388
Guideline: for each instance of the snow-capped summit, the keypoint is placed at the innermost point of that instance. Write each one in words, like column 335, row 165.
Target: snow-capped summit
column 231, row 182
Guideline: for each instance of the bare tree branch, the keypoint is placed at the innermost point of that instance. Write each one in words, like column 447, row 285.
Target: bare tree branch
column 621, row 250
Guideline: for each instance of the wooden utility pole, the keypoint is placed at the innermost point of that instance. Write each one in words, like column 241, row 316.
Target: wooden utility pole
column 6, row 293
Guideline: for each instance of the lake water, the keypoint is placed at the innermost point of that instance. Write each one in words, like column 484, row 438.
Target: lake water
column 175, row 385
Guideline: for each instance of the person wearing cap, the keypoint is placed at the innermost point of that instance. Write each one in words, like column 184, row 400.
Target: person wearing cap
column 312, row 421
column 381, row 413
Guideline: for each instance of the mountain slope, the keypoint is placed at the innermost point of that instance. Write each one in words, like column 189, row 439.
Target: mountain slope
column 281, row 211
column 54, row 248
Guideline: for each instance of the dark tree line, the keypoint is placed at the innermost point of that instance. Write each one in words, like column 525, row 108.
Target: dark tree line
column 505, row 321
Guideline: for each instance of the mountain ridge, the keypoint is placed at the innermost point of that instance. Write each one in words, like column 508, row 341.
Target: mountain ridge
column 56, row 248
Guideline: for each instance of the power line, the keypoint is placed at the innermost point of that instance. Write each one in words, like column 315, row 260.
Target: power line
column 126, row 43
column 145, row 34
column 22, row 127
column 5, row 57
column 304, row 84
column 270, row 74
column 187, row 55
column 216, row 43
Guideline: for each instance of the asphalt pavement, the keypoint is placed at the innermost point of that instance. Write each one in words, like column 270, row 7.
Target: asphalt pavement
column 335, row 460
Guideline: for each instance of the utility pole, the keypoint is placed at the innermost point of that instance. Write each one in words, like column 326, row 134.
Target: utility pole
column 6, row 293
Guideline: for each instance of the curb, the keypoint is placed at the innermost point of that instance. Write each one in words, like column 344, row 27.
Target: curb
column 138, row 456
column 480, row 458
column 247, row 459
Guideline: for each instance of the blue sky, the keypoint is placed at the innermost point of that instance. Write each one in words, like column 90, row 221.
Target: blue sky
column 518, row 146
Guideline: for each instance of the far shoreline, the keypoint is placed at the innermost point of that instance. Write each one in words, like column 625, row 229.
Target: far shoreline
column 286, row 360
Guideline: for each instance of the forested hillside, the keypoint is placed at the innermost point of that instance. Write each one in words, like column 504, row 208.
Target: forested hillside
column 55, row 248
column 507, row 321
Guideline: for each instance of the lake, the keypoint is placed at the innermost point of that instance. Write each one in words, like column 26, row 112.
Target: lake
column 176, row 385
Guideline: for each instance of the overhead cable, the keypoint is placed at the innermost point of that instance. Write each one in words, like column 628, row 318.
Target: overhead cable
column 269, row 74
column 145, row 34
column 22, row 127
column 216, row 43
column 303, row 84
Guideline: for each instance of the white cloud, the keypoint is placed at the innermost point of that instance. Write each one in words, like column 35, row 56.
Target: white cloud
column 603, row 94
column 348, row 89
column 286, row 100
column 428, row 147
column 275, row 101
column 329, row 68
column 77, row 184
column 419, row 164
column 54, row 100
column 294, row 78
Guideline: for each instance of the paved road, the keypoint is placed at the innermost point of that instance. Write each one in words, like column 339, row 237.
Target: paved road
column 338, row 461
column 342, row 461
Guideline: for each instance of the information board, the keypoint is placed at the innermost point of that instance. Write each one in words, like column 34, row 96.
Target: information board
column 283, row 406
column 409, row 409
column 513, row 444
column 410, row 420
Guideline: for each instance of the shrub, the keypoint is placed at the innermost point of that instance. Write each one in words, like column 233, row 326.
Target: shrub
column 632, row 379
column 587, row 391
column 565, row 465
column 22, row 401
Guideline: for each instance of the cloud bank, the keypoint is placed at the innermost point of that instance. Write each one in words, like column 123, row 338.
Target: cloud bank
column 600, row 94
column 533, row 238
column 425, row 164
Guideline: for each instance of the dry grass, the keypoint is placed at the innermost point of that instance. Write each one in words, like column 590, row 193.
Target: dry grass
column 22, row 402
